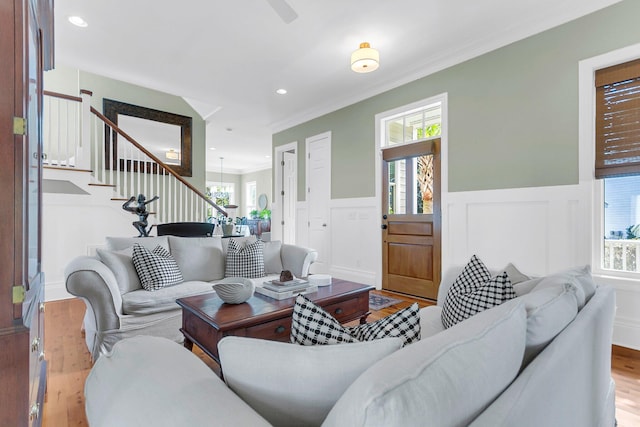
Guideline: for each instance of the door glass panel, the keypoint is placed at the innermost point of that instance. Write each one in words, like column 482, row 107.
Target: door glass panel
column 410, row 183
column 424, row 184
column 31, row 227
column 397, row 187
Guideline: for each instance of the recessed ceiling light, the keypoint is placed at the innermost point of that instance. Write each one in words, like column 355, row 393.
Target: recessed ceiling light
column 268, row 157
column 78, row 21
column 212, row 148
column 281, row 91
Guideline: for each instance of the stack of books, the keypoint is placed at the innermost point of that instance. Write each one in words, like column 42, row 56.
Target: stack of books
column 283, row 290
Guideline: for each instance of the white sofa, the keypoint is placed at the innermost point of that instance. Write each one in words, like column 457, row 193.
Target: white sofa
column 117, row 307
column 493, row 369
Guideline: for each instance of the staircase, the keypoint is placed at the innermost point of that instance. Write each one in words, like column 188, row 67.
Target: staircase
column 78, row 137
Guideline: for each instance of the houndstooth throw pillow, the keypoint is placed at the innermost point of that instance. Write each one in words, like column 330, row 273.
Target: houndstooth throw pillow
column 474, row 291
column 247, row 261
column 404, row 324
column 156, row 269
column 312, row 325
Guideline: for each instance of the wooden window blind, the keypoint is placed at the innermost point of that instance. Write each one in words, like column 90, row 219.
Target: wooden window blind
column 618, row 120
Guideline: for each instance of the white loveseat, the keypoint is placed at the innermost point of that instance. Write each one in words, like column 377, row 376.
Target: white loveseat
column 117, row 307
column 496, row 368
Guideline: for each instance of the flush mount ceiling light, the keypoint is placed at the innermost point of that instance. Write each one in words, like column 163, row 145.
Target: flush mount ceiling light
column 365, row 59
column 281, row 91
column 78, row 21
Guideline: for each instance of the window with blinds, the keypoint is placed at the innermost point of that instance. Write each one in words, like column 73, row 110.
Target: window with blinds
column 618, row 120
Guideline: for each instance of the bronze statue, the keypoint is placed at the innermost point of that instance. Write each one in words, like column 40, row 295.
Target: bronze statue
column 141, row 210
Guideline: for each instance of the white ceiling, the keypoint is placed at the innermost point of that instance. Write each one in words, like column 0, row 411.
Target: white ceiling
column 227, row 58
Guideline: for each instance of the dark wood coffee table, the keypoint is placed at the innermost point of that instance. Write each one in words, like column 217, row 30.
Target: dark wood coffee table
column 206, row 319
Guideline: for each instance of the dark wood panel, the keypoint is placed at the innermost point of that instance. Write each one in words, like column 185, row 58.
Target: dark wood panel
column 413, row 228
column 411, row 260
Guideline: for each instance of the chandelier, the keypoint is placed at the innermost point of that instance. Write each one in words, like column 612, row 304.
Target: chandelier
column 221, row 194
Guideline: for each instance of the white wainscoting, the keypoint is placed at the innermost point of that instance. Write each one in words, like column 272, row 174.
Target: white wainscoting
column 541, row 230
column 74, row 225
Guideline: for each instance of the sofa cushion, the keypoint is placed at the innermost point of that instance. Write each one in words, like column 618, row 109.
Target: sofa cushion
column 156, row 269
column 120, row 243
column 247, row 261
column 430, row 321
column 121, row 264
column 199, row 258
column 151, row 381
column 549, row 311
column 293, row 385
column 403, row 324
column 579, row 276
column 142, row 302
column 527, row 286
column 474, row 291
column 311, row 325
column 445, row 380
column 272, row 260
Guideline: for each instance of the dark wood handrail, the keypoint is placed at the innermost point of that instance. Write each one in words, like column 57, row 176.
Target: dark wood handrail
column 157, row 160
column 62, row 95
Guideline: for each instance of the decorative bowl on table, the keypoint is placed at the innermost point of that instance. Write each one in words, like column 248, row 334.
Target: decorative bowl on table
column 234, row 290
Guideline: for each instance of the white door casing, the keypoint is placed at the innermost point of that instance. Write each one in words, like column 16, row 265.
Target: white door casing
column 277, row 206
column 318, row 169
column 288, row 196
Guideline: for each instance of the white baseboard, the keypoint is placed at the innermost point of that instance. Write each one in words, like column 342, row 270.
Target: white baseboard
column 626, row 332
column 55, row 291
column 359, row 276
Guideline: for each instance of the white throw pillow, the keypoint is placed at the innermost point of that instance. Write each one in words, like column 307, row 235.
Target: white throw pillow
column 444, row 380
column 578, row 276
column 272, row 260
column 294, row 385
column 121, row 264
column 549, row 311
column 515, row 276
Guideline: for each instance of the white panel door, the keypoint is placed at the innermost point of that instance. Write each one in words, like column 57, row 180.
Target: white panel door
column 289, row 197
column 318, row 198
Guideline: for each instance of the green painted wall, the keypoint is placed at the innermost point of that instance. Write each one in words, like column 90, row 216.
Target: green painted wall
column 513, row 112
column 70, row 80
column 263, row 185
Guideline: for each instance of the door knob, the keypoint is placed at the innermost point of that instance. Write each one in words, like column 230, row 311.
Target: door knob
column 324, row 225
column 383, row 226
column 384, row 216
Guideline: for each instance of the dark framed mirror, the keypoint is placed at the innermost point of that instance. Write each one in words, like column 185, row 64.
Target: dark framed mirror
column 166, row 135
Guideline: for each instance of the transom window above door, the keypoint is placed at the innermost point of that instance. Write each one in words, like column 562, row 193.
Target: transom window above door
column 414, row 125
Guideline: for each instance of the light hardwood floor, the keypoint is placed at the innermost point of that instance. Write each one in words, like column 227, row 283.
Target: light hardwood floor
column 69, row 364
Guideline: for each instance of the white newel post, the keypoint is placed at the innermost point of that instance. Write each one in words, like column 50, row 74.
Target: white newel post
column 83, row 151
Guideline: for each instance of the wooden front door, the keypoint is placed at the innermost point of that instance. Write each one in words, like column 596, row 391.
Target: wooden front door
column 411, row 218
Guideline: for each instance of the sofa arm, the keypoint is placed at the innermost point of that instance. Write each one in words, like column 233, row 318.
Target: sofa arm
column 88, row 278
column 297, row 259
